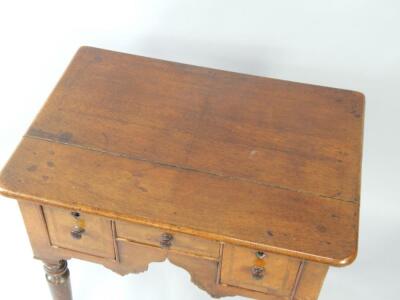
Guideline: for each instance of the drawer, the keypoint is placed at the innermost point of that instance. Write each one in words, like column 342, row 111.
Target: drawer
column 80, row 232
column 168, row 239
column 258, row 271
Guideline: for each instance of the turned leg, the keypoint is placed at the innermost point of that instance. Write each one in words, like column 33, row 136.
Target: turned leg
column 57, row 275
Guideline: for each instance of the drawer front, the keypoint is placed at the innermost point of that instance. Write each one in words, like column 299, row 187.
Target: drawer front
column 259, row 271
column 135, row 258
column 80, row 232
column 168, row 239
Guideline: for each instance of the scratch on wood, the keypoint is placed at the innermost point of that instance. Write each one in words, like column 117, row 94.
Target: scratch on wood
column 63, row 137
column 252, row 153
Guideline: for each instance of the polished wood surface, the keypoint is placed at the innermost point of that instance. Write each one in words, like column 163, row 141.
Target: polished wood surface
column 57, row 276
column 278, row 272
column 179, row 241
column 135, row 160
column 310, row 281
column 212, row 207
column 287, row 135
column 97, row 238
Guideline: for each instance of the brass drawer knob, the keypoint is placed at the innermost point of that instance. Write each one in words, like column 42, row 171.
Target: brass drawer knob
column 257, row 272
column 77, row 232
column 166, row 240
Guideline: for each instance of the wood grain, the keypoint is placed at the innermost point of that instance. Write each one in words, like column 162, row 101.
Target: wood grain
column 96, row 240
column 311, row 281
column 284, row 134
column 180, row 241
column 40, row 241
column 57, row 276
column 280, row 271
column 142, row 147
column 135, row 258
column 191, row 202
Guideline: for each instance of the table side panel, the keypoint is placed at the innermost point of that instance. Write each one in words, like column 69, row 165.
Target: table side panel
column 134, row 258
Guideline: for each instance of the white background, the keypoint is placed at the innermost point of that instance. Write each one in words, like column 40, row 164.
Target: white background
column 346, row 44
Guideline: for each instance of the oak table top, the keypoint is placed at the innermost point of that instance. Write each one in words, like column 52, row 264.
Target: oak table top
column 256, row 161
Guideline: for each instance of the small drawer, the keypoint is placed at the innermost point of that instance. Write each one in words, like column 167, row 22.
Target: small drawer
column 258, row 271
column 135, row 257
column 80, row 232
column 168, row 239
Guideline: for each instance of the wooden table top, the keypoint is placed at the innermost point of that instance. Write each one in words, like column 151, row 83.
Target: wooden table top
column 256, row 161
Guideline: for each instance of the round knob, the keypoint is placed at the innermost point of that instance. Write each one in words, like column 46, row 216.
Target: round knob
column 257, row 272
column 77, row 232
column 166, row 240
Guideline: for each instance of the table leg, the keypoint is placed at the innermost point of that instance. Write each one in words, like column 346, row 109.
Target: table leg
column 57, row 275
